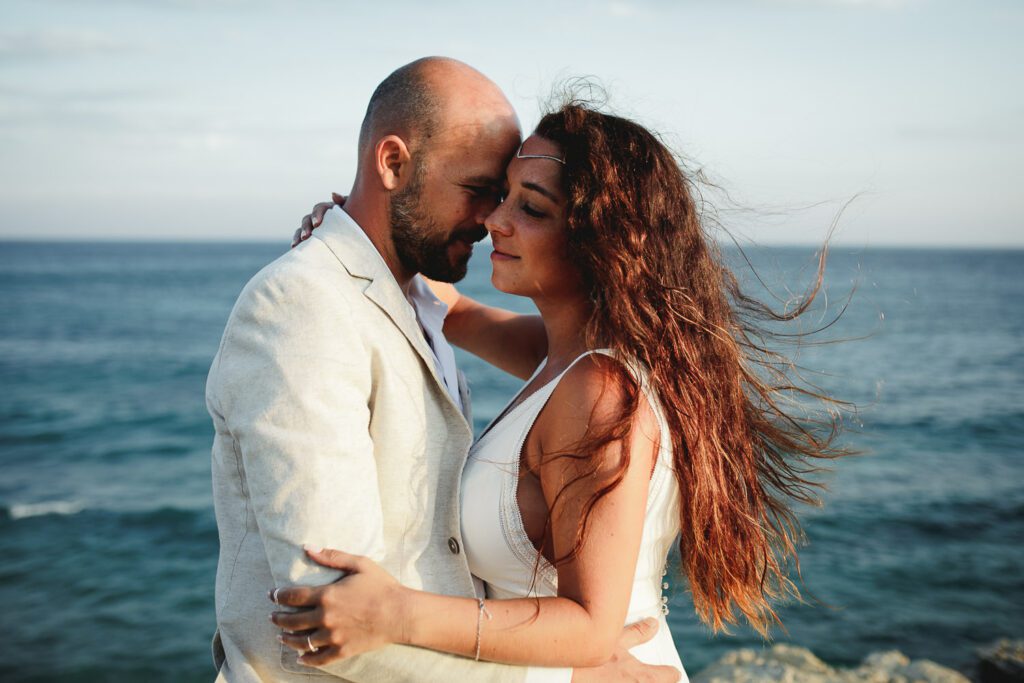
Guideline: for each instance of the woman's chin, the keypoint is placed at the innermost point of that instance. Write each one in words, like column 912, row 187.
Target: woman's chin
column 499, row 284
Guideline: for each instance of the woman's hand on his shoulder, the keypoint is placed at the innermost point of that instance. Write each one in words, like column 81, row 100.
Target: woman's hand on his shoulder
column 312, row 221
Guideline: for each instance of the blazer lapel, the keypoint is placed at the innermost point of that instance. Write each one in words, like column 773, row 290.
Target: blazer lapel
column 361, row 259
column 464, row 397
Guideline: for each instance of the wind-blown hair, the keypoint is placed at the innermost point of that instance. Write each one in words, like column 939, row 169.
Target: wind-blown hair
column 662, row 297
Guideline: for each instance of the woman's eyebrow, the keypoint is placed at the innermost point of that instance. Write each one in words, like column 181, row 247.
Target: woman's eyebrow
column 537, row 188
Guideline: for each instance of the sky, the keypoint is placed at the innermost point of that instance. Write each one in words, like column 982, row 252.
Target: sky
column 229, row 119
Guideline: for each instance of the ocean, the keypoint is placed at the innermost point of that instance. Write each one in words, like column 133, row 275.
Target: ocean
column 107, row 535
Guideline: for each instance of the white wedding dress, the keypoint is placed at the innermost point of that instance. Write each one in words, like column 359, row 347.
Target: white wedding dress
column 502, row 556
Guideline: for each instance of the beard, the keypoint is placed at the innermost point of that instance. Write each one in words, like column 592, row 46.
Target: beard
column 420, row 243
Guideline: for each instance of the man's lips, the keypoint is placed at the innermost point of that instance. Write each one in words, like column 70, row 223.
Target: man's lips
column 470, row 236
column 467, row 239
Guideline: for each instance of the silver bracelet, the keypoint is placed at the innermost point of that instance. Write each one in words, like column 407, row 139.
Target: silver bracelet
column 481, row 612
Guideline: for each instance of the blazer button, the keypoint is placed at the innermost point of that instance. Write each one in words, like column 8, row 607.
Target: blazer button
column 453, row 545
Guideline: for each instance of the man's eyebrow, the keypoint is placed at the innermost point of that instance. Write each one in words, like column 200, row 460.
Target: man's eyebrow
column 537, row 188
column 485, row 181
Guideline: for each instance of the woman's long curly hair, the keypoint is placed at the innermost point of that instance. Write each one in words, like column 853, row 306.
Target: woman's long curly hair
column 742, row 443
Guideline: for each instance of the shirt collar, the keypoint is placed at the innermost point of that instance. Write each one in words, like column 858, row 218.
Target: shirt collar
column 430, row 309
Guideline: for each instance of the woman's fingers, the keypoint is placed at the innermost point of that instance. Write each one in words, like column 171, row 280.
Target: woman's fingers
column 303, row 233
column 313, row 220
column 296, row 596
column 319, row 211
column 336, row 559
column 638, row 633
column 324, row 655
column 303, row 620
column 302, row 642
column 324, row 651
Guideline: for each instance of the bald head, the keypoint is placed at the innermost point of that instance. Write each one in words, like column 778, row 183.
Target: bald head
column 429, row 96
column 433, row 148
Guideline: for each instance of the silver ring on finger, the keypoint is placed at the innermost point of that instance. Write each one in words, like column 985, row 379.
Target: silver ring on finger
column 309, row 641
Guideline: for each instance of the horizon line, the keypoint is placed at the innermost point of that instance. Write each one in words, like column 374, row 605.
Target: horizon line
column 935, row 246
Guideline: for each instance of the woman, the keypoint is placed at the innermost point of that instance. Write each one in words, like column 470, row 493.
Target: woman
column 656, row 414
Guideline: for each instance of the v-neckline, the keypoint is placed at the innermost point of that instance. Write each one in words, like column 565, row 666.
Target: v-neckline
column 512, row 407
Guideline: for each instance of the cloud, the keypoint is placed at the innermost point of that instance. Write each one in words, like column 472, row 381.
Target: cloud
column 617, row 8
column 855, row 4
column 38, row 108
column 199, row 5
column 874, row 4
column 64, row 96
column 57, row 43
column 994, row 130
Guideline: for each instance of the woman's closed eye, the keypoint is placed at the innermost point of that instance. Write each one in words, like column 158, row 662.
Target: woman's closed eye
column 530, row 211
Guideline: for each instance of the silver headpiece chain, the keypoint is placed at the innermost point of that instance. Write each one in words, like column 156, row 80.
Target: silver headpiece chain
column 520, row 155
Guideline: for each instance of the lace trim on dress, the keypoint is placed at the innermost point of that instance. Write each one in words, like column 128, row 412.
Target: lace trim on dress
column 511, row 519
column 512, row 527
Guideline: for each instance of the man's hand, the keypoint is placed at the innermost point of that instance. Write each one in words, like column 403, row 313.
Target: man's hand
column 624, row 666
column 313, row 220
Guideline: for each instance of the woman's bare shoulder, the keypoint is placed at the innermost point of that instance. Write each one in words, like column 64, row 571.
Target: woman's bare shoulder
column 595, row 393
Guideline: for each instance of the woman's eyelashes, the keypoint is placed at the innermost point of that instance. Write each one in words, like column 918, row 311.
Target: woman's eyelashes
column 523, row 204
column 532, row 212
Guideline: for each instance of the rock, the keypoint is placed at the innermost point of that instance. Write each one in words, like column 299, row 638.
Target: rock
column 791, row 664
column 889, row 661
column 799, row 657
column 1001, row 662
column 925, row 670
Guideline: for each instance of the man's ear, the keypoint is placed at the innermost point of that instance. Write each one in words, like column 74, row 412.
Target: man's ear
column 392, row 161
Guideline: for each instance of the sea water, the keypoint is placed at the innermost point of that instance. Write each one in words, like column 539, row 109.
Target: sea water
column 108, row 543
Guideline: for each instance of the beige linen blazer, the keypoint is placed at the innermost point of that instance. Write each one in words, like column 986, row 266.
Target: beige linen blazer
column 334, row 429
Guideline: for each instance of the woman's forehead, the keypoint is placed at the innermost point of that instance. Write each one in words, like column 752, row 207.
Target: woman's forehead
column 538, row 146
column 538, row 161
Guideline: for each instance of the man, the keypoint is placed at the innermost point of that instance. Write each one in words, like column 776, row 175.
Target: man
column 341, row 420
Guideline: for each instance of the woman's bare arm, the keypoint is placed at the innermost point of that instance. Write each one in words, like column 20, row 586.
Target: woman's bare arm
column 512, row 342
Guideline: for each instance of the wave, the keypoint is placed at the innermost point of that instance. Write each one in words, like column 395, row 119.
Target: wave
column 54, row 507
column 994, row 433
column 163, row 515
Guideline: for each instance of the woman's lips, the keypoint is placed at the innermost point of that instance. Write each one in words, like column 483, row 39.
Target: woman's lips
column 499, row 254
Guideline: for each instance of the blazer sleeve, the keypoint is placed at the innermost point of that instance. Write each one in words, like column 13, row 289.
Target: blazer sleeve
column 294, row 394
column 294, row 388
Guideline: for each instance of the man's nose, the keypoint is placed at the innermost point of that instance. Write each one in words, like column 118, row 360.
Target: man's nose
column 486, row 208
column 495, row 221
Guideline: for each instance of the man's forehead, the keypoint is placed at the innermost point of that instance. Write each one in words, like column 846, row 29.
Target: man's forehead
column 494, row 132
column 477, row 150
